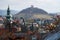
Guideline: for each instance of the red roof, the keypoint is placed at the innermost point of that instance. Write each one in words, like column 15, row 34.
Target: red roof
column 1, row 18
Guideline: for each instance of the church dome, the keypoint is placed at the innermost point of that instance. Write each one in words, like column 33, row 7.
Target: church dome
column 33, row 10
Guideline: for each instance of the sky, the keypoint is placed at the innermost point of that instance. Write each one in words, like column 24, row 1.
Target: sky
column 51, row 6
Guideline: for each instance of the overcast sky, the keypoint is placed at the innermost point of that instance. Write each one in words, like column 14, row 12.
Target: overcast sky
column 47, row 5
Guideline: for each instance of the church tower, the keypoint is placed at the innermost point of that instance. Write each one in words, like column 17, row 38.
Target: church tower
column 8, row 20
column 8, row 14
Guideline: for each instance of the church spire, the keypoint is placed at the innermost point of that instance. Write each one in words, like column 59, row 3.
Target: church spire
column 8, row 10
column 8, row 13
